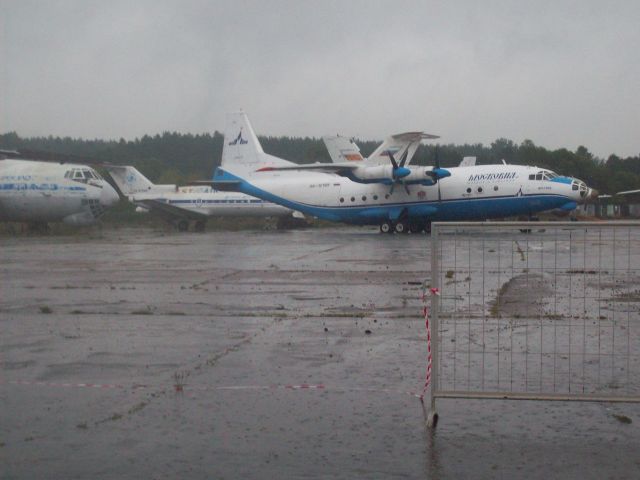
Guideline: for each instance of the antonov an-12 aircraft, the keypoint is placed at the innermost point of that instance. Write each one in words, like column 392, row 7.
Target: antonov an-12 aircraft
column 392, row 195
column 180, row 205
column 39, row 192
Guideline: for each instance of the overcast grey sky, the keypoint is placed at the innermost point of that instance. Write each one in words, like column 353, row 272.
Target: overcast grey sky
column 561, row 73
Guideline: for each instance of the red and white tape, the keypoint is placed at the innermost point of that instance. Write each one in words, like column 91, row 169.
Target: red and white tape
column 302, row 386
column 427, row 292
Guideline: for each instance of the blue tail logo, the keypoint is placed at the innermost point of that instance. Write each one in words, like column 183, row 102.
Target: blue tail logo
column 239, row 140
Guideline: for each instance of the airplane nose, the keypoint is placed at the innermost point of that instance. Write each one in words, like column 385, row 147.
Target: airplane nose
column 108, row 196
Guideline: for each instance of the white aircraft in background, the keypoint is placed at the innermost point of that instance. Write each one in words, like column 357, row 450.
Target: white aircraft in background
column 38, row 192
column 363, row 192
column 181, row 204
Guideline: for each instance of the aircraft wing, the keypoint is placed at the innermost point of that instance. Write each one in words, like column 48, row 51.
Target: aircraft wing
column 168, row 211
column 320, row 167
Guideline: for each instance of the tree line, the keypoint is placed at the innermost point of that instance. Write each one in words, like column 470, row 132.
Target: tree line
column 173, row 157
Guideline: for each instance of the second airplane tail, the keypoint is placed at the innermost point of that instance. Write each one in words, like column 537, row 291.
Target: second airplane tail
column 131, row 182
column 242, row 151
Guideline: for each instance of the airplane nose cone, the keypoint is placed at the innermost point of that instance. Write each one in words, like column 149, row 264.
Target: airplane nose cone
column 108, row 196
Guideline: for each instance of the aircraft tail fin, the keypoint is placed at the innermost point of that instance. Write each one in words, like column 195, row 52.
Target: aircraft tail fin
column 242, row 151
column 129, row 180
column 342, row 149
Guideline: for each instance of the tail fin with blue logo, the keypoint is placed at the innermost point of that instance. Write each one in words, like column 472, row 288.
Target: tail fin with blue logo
column 242, row 152
column 131, row 182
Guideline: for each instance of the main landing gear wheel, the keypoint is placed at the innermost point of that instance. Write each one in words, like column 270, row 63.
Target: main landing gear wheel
column 386, row 227
column 401, row 227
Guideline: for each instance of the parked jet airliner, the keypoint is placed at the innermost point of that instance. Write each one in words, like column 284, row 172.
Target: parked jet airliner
column 39, row 192
column 394, row 196
column 181, row 204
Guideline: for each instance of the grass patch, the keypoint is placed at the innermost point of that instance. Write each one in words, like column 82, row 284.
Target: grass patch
column 622, row 418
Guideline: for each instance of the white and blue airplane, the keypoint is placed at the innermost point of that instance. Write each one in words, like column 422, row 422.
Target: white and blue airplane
column 180, row 205
column 37, row 192
column 362, row 191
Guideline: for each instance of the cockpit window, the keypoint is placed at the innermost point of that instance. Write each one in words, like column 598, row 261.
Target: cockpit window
column 82, row 174
column 543, row 175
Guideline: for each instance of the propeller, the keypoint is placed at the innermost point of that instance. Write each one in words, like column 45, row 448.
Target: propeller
column 399, row 171
column 436, row 172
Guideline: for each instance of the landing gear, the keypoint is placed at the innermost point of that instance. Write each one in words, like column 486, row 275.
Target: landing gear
column 401, row 227
column 386, row 227
column 405, row 226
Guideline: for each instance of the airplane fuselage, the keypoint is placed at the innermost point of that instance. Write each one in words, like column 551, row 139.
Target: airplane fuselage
column 32, row 191
column 211, row 203
column 470, row 193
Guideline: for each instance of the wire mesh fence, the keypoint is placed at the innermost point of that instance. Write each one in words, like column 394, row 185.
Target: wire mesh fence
column 545, row 310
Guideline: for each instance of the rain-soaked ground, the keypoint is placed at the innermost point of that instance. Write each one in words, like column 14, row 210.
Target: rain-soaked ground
column 135, row 353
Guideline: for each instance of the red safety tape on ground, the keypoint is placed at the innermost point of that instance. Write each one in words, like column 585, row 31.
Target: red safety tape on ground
column 426, row 294
column 302, row 386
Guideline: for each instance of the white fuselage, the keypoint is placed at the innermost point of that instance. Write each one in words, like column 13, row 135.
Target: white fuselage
column 211, row 203
column 473, row 192
column 32, row 191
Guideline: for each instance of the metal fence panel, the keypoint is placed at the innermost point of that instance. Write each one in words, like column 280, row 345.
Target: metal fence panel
column 544, row 310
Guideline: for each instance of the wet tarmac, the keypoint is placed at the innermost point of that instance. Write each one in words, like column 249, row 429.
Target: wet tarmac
column 140, row 354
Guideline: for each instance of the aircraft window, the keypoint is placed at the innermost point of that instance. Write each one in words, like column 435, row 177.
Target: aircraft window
column 550, row 175
column 364, row 199
column 574, row 187
column 468, row 190
column 495, row 189
column 341, row 199
column 375, row 197
column 78, row 175
column 538, row 176
column 67, row 174
column 87, row 174
column 479, row 189
column 386, row 195
column 353, row 199
column 532, row 176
